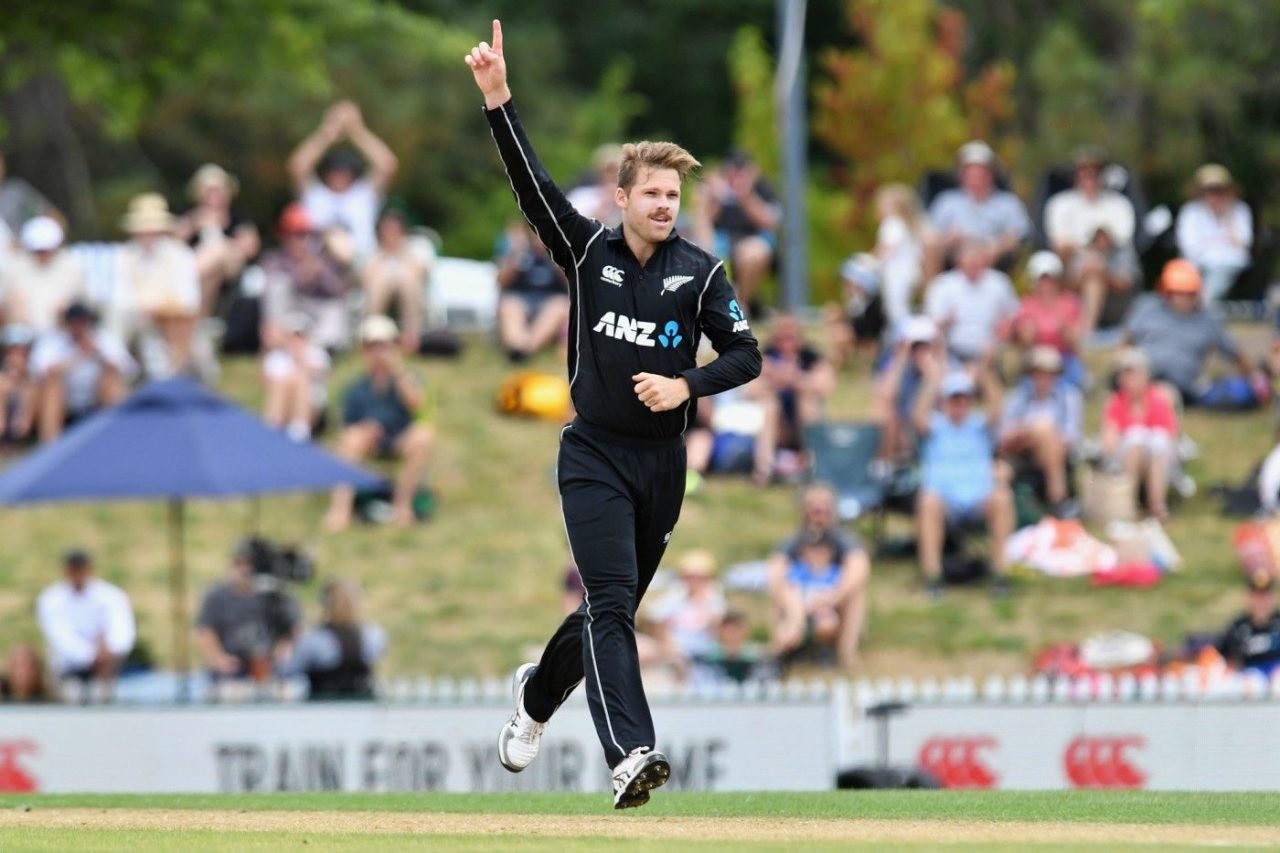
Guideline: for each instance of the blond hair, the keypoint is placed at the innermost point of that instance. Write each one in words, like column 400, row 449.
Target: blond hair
column 341, row 602
column 653, row 155
column 900, row 200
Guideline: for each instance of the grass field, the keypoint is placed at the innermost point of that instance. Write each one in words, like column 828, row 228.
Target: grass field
column 699, row 821
column 469, row 592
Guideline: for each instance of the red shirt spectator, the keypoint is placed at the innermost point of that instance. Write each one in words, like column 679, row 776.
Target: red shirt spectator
column 1048, row 316
column 1152, row 409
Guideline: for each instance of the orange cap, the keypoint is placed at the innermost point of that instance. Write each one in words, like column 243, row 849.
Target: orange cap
column 295, row 220
column 1180, row 276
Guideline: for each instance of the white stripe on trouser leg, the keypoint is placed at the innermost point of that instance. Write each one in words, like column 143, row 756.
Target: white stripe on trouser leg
column 604, row 704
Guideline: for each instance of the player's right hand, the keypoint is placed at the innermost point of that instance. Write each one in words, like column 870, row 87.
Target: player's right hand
column 490, row 69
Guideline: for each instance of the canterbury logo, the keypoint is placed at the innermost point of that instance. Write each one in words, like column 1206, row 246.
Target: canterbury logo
column 613, row 275
column 672, row 282
column 958, row 762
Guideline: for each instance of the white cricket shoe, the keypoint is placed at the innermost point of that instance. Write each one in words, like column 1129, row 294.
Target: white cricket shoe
column 638, row 774
column 519, row 739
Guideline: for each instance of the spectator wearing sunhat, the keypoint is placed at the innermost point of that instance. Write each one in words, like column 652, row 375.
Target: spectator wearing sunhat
column 1215, row 229
column 223, row 238
column 41, row 280
column 916, row 344
column 1178, row 332
column 1051, row 316
column 959, row 482
column 80, row 368
column 976, row 209
column 1140, row 429
column 1252, row 640
column 381, row 417
column 1043, row 422
column 690, row 610
column 304, row 276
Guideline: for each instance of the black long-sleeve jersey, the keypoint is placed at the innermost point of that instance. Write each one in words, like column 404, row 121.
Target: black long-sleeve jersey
column 625, row 318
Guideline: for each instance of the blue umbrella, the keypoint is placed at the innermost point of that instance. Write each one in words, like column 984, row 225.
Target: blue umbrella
column 174, row 440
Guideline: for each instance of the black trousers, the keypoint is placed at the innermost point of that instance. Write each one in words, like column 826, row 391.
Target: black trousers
column 620, row 498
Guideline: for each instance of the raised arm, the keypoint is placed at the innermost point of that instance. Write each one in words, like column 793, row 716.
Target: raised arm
column 563, row 230
column 383, row 163
column 305, row 158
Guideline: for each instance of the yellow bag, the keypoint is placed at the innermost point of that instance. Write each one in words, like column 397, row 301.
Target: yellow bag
column 534, row 394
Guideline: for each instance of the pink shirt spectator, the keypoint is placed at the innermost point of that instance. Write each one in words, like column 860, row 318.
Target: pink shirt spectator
column 1155, row 412
column 1050, row 319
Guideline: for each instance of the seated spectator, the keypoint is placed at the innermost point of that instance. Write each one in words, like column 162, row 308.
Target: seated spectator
column 899, row 383
column 795, row 614
column 332, row 187
column 899, row 249
column 722, row 436
column 1252, row 641
column 594, row 198
column 1091, row 227
column 19, row 201
column 1140, row 430
column 294, row 375
column 743, row 211
column 733, row 658
column 378, row 416
column 811, row 605
column 242, row 632
column 1051, row 317
column 797, row 382
column 972, row 304
column 339, row 654
column 41, row 280
column 533, row 310
column 692, row 609
column 23, row 678
column 396, row 270
column 1215, row 230
column 87, row 623
column 959, row 482
column 861, row 319
column 1043, row 424
column 19, row 391
column 305, row 276
column 80, row 369
column 222, row 237
column 976, row 210
column 1178, row 332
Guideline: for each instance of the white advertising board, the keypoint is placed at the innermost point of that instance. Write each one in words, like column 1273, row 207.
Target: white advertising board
column 367, row 747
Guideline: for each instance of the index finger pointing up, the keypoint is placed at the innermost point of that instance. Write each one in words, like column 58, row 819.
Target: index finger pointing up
column 497, row 35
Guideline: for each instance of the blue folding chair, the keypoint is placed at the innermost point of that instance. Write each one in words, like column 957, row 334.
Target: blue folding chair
column 842, row 455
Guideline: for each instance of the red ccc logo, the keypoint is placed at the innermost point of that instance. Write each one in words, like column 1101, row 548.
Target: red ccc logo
column 956, row 762
column 1104, row 762
column 13, row 778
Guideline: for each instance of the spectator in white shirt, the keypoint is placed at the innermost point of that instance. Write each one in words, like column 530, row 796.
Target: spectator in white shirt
column 1215, row 230
column 87, row 623
column 80, row 368
column 1091, row 228
column 41, row 280
column 972, row 304
column 331, row 186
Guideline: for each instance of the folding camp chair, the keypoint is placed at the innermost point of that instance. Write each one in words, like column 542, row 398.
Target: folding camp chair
column 843, row 456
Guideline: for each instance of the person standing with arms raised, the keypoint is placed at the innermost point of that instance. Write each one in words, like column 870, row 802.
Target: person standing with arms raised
column 641, row 298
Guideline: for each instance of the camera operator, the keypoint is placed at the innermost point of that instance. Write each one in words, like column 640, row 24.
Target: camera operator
column 338, row 655
column 247, row 624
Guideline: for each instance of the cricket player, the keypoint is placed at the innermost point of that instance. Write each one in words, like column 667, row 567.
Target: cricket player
column 641, row 298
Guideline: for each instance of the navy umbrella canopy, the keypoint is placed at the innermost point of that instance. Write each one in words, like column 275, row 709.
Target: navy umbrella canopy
column 174, row 440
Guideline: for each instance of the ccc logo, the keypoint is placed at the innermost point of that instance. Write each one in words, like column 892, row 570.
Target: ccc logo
column 957, row 762
column 1104, row 762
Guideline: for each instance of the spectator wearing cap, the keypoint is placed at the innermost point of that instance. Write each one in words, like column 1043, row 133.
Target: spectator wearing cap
column 1140, row 430
column 533, row 310
column 380, row 411
column 87, row 622
column 338, row 656
column 898, row 385
column 398, row 270
column 336, row 189
column 19, row 391
column 973, row 304
column 305, row 276
column 1051, row 316
column 223, row 238
column 797, row 382
column 861, row 319
column 42, row 280
column 959, row 481
column 691, row 609
column 80, row 368
column 744, row 214
column 1215, row 229
column 977, row 209
column 1043, row 423
column 819, row 596
column 294, row 376
column 1252, row 640
column 1178, row 332
column 1092, row 227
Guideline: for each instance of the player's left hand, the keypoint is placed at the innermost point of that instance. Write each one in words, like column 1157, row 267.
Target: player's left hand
column 660, row 393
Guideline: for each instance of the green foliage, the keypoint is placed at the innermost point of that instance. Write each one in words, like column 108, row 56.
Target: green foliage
column 755, row 126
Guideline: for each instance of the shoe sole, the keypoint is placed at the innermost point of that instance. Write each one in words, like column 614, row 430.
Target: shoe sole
column 654, row 774
column 517, row 685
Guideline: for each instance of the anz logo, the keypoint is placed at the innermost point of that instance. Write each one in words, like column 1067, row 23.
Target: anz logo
column 639, row 332
column 735, row 314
